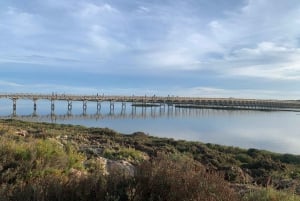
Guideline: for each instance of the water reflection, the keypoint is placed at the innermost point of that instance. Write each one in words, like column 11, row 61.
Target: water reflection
column 274, row 131
column 135, row 113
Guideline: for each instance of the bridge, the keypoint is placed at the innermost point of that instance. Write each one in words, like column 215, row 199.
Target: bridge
column 154, row 101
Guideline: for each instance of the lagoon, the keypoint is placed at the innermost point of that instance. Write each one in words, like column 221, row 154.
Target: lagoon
column 276, row 131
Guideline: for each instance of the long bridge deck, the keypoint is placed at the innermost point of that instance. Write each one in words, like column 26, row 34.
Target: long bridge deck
column 155, row 100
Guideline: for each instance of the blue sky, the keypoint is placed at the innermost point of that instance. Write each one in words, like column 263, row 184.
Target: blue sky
column 212, row 48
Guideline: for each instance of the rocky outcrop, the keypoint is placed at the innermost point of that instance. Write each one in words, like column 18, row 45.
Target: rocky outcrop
column 108, row 166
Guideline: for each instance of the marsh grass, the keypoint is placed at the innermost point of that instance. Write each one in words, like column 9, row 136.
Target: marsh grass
column 269, row 194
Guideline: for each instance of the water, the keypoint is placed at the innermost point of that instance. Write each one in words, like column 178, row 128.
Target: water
column 274, row 131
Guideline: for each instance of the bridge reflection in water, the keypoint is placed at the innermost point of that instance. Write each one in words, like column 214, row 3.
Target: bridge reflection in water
column 136, row 112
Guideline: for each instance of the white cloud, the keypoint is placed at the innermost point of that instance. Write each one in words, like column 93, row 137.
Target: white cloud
column 253, row 41
column 105, row 45
column 258, row 21
column 171, row 60
column 259, row 40
column 143, row 9
column 270, row 71
column 90, row 10
column 184, row 48
column 19, row 23
column 267, row 60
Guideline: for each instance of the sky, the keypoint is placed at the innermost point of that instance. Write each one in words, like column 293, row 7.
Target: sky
column 205, row 48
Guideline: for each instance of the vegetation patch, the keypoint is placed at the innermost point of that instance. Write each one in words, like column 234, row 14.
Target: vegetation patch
column 42, row 161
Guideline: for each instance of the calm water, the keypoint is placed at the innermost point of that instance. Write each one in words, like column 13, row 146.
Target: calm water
column 274, row 131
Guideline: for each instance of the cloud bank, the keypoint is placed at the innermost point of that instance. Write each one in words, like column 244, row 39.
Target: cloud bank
column 223, row 43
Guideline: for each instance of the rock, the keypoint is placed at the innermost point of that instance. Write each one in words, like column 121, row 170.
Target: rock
column 111, row 165
column 77, row 174
column 285, row 184
column 92, row 151
column 22, row 133
column 123, row 166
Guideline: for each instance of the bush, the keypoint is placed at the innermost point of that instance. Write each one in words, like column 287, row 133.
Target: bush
column 29, row 160
column 270, row 194
column 128, row 154
column 179, row 178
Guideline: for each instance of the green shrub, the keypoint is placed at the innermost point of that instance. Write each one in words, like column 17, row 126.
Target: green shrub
column 22, row 158
column 243, row 158
column 128, row 154
column 179, row 178
column 270, row 194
